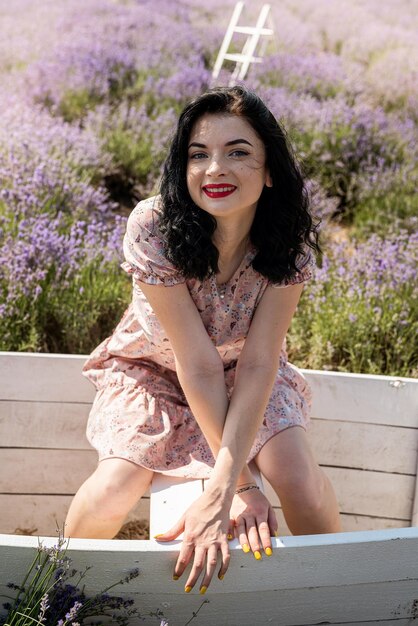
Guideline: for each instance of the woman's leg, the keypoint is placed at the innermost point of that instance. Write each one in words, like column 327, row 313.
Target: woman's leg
column 103, row 501
column 306, row 494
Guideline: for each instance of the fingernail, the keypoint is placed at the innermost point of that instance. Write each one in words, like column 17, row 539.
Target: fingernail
column 276, row 534
column 203, row 590
column 268, row 551
column 257, row 555
column 221, row 576
column 229, row 536
column 246, row 548
column 175, row 577
column 160, row 535
column 187, row 589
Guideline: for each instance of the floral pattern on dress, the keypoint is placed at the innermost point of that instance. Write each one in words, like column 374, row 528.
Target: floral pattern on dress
column 140, row 412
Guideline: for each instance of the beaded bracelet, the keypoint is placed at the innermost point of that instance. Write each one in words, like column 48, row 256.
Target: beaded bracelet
column 242, row 489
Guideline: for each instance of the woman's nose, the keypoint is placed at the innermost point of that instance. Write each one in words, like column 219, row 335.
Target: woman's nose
column 216, row 167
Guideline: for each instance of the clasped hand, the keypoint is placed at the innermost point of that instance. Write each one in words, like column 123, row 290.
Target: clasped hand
column 208, row 523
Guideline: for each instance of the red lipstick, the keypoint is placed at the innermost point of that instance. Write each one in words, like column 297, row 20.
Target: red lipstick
column 219, row 190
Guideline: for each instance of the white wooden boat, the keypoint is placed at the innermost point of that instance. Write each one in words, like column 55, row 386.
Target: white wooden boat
column 364, row 434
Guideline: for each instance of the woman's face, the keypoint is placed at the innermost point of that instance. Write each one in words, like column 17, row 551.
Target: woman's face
column 226, row 170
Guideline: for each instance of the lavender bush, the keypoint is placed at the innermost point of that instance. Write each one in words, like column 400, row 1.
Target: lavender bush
column 361, row 313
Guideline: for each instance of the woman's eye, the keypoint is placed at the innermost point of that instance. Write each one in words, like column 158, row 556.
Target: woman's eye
column 198, row 155
column 239, row 153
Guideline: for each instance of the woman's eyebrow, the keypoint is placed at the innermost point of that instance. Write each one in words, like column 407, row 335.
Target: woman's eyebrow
column 233, row 142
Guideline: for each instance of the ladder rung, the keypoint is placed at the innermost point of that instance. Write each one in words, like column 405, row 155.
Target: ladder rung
column 240, row 58
column 251, row 30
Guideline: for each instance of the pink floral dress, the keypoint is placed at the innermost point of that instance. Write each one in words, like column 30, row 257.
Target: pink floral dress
column 140, row 412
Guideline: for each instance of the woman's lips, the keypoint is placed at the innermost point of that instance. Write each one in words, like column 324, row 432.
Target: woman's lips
column 218, row 191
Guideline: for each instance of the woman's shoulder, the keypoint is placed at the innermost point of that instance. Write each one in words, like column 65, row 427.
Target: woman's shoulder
column 146, row 216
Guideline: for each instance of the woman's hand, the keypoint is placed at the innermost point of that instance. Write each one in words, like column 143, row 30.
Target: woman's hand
column 205, row 527
column 253, row 522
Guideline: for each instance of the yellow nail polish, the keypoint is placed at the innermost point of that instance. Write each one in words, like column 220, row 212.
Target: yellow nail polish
column 221, row 576
column 175, row 577
column 160, row 535
column 276, row 534
column 268, row 551
column 257, row 555
column 229, row 536
column 203, row 590
column 246, row 548
column 187, row 589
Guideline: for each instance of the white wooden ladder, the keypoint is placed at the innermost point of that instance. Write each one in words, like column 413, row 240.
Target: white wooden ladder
column 247, row 56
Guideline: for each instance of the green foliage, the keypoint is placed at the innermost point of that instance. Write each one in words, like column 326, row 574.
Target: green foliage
column 73, row 318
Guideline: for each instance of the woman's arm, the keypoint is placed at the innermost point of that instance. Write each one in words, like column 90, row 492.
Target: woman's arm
column 198, row 364
column 256, row 371
column 201, row 374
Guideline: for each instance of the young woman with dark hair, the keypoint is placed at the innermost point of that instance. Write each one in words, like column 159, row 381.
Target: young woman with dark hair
column 194, row 381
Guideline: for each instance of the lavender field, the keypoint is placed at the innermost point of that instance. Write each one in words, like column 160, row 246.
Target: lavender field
column 90, row 94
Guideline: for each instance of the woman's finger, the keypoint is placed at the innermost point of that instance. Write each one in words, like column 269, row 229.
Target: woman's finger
column 231, row 530
column 211, row 562
column 241, row 531
column 264, row 532
column 185, row 554
column 197, row 567
column 253, row 537
column 226, row 558
column 174, row 531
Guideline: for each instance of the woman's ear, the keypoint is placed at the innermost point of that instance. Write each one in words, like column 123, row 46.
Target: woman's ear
column 269, row 182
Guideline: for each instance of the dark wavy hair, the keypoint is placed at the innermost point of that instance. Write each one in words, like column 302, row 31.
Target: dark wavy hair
column 282, row 229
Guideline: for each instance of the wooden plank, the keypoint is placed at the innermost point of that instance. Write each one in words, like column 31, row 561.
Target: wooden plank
column 40, row 377
column 350, row 523
column 374, row 494
column 41, row 514
column 45, row 471
column 170, row 498
column 44, row 425
column 364, row 446
column 302, row 583
column 340, row 396
column 364, row 398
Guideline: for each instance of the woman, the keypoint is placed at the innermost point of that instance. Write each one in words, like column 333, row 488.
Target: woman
column 195, row 382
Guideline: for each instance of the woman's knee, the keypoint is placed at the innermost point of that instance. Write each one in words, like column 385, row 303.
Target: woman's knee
column 113, row 489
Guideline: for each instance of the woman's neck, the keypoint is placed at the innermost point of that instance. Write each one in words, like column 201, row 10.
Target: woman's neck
column 231, row 241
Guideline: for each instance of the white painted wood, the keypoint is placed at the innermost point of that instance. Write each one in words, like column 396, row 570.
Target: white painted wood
column 414, row 516
column 251, row 44
column 364, row 446
column 170, row 499
column 304, row 581
column 44, row 424
column 364, row 398
column 43, row 514
column 45, row 471
column 227, row 39
column 247, row 55
column 350, row 523
column 44, row 377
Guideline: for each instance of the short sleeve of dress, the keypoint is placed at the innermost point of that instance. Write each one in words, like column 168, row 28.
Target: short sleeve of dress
column 306, row 266
column 143, row 248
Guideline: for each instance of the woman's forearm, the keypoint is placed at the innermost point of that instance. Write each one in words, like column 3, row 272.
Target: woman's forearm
column 206, row 393
column 252, row 389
